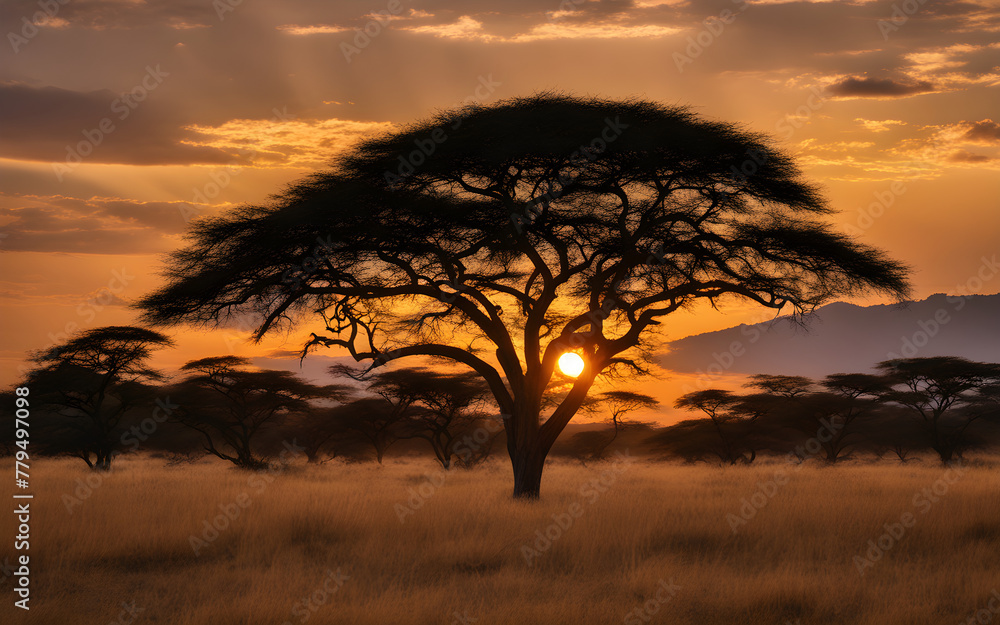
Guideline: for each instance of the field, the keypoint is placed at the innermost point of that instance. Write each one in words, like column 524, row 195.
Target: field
column 627, row 542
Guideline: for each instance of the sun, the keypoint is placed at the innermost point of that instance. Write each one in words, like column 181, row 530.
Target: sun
column 571, row 364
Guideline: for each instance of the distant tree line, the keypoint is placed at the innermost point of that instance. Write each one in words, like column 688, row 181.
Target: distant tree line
column 95, row 397
column 908, row 405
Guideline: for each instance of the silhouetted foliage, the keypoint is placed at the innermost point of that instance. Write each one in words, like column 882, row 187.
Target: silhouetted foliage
column 788, row 386
column 450, row 406
column 375, row 420
column 945, row 394
column 318, row 431
column 592, row 444
column 731, row 416
column 229, row 404
column 535, row 226
column 436, row 406
column 88, row 384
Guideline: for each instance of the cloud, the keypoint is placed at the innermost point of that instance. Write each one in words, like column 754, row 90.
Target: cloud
column 97, row 225
column 985, row 131
column 963, row 156
column 866, row 87
column 468, row 28
column 49, row 123
column 284, row 143
column 878, row 126
column 913, row 152
column 465, row 27
column 317, row 29
column 120, row 14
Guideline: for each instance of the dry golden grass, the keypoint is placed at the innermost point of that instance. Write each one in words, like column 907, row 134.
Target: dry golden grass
column 461, row 552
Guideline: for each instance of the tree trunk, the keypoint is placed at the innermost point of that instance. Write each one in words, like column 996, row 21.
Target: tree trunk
column 946, row 452
column 528, row 465
column 102, row 461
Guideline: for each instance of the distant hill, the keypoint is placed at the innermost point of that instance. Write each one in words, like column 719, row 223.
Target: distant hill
column 843, row 337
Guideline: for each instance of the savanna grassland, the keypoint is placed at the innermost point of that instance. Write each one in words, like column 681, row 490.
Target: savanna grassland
column 334, row 532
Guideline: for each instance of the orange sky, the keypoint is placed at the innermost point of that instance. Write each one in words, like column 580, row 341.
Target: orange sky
column 185, row 108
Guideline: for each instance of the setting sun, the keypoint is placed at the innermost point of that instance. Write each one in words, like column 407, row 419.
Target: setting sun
column 571, row 364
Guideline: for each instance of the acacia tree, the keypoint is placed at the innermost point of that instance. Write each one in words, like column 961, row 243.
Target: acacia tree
column 230, row 404
column 534, row 226
column 848, row 398
column 375, row 420
column 725, row 410
column 946, row 394
column 450, row 405
column 90, row 382
column 593, row 444
column 318, row 431
column 786, row 386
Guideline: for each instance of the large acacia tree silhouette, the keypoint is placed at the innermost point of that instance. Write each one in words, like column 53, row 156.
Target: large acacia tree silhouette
column 502, row 236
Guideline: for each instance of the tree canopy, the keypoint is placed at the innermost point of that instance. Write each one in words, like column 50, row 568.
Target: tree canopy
column 90, row 382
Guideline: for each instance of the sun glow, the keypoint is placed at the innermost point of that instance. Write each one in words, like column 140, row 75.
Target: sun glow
column 571, row 364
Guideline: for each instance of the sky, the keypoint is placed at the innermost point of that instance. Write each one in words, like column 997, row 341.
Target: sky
column 122, row 120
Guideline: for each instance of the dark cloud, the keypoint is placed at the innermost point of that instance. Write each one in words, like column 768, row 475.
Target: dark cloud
column 49, row 123
column 108, row 14
column 987, row 131
column 878, row 88
column 94, row 226
column 962, row 156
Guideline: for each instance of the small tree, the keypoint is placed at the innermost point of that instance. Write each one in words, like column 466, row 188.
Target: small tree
column 230, row 404
column 787, row 386
column 727, row 412
column 89, row 383
column 848, row 398
column 432, row 405
column 375, row 420
column 451, row 405
column 946, row 395
column 318, row 430
column 616, row 404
